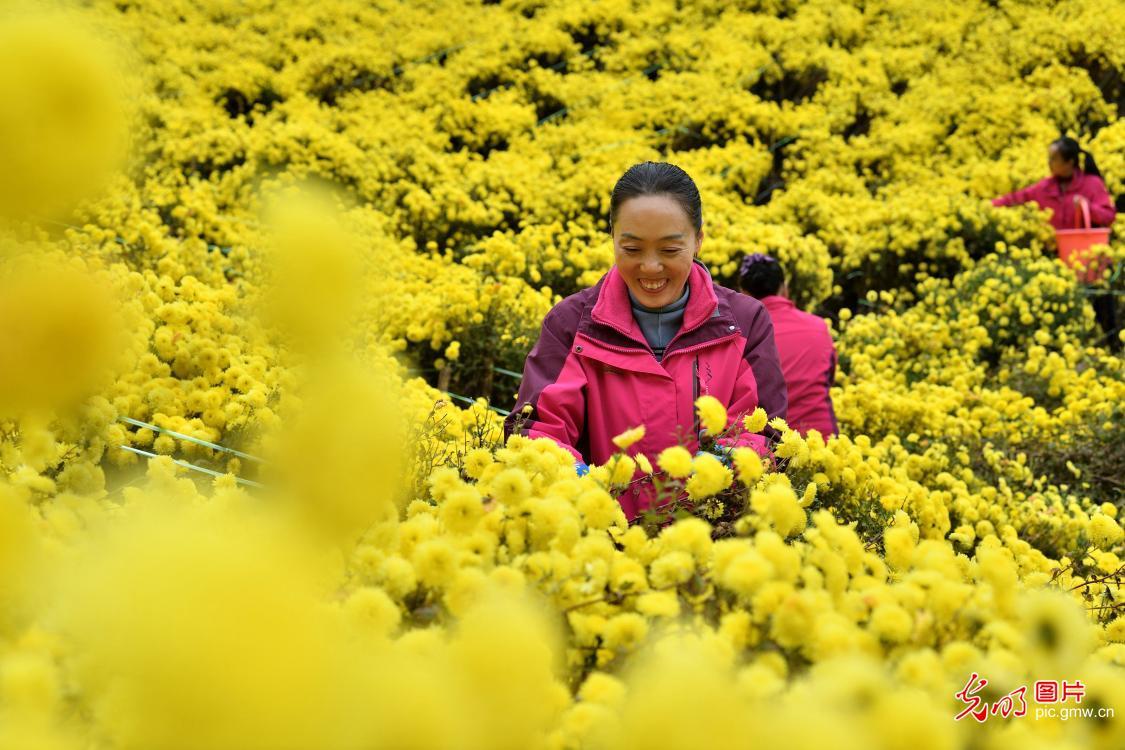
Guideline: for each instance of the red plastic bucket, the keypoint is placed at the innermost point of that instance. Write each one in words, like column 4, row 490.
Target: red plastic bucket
column 1073, row 246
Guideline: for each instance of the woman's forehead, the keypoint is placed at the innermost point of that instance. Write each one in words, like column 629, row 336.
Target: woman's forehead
column 653, row 217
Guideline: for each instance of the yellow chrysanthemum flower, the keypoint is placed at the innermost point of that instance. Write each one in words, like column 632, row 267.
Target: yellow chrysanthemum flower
column 779, row 506
column 1105, row 531
column 755, row 421
column 748, row 464
column 712, row 414
column 622, row 469
column 630, row 436
column 709, row 477
column 510, row 486
column 676, row 461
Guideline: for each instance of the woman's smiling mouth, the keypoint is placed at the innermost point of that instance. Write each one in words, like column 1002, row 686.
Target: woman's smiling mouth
column 653, row 286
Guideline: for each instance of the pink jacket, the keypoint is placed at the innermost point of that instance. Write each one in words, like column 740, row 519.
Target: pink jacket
column 1049, row 195
column 808, row 361
column 592, row 375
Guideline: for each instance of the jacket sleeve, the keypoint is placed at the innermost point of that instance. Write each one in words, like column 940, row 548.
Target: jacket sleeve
column 1016, row 197
column 761, row 355
column 1102, row 211
column 553, row 391
column 765, row 386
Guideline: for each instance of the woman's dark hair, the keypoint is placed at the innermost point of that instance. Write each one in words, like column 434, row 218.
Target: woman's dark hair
column 1069, row 151
column 658, row 178
column 760, row 275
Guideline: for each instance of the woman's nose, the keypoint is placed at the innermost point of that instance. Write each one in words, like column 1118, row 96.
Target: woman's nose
column 652, row 265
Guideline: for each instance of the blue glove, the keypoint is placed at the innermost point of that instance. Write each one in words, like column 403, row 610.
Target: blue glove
column 581, row 469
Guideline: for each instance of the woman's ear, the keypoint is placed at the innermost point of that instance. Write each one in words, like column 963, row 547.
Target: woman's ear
column 698, row 242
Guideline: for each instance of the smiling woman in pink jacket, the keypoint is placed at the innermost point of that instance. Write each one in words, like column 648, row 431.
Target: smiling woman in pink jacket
column 650, row 337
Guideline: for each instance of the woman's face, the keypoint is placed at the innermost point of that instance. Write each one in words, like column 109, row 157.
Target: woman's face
column 653, row 247
column 1060, row 167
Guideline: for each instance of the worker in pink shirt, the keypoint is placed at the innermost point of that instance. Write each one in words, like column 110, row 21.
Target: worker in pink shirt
column 1062, row 193
column 1066, row 188
column 804, row 343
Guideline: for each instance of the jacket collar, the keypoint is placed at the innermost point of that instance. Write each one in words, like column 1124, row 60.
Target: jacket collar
column 614, row 309
column 777, row 302
column 1075, row 180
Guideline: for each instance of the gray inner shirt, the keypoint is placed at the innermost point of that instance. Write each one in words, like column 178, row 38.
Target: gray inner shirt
column 660, row 324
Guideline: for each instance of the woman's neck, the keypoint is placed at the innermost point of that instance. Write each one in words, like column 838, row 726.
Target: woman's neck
column 1065, row 182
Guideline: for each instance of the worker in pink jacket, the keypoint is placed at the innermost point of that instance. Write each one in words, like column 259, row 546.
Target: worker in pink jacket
column 1066, row 187
column 808, row 355
column 1062, row 193
column 650, row 337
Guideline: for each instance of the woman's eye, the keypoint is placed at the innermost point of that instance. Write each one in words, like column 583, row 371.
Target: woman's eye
column 631, row 249
column 671, row 250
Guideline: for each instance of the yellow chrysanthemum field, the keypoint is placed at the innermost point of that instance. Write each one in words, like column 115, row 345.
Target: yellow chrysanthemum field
column 268, row 275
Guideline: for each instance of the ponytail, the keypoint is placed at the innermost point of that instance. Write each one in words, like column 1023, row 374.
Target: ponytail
column 1090, row 167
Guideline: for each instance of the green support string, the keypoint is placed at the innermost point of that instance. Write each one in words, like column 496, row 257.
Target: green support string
column 190, row 439
column 191, row 466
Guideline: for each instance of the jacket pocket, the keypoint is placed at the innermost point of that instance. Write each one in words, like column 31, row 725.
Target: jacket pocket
column 603, row 359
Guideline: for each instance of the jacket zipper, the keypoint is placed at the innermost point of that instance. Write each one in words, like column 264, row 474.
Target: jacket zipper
column 695, row 395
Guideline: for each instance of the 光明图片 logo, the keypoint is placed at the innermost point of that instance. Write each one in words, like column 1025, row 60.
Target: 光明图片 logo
column 1048, row 694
